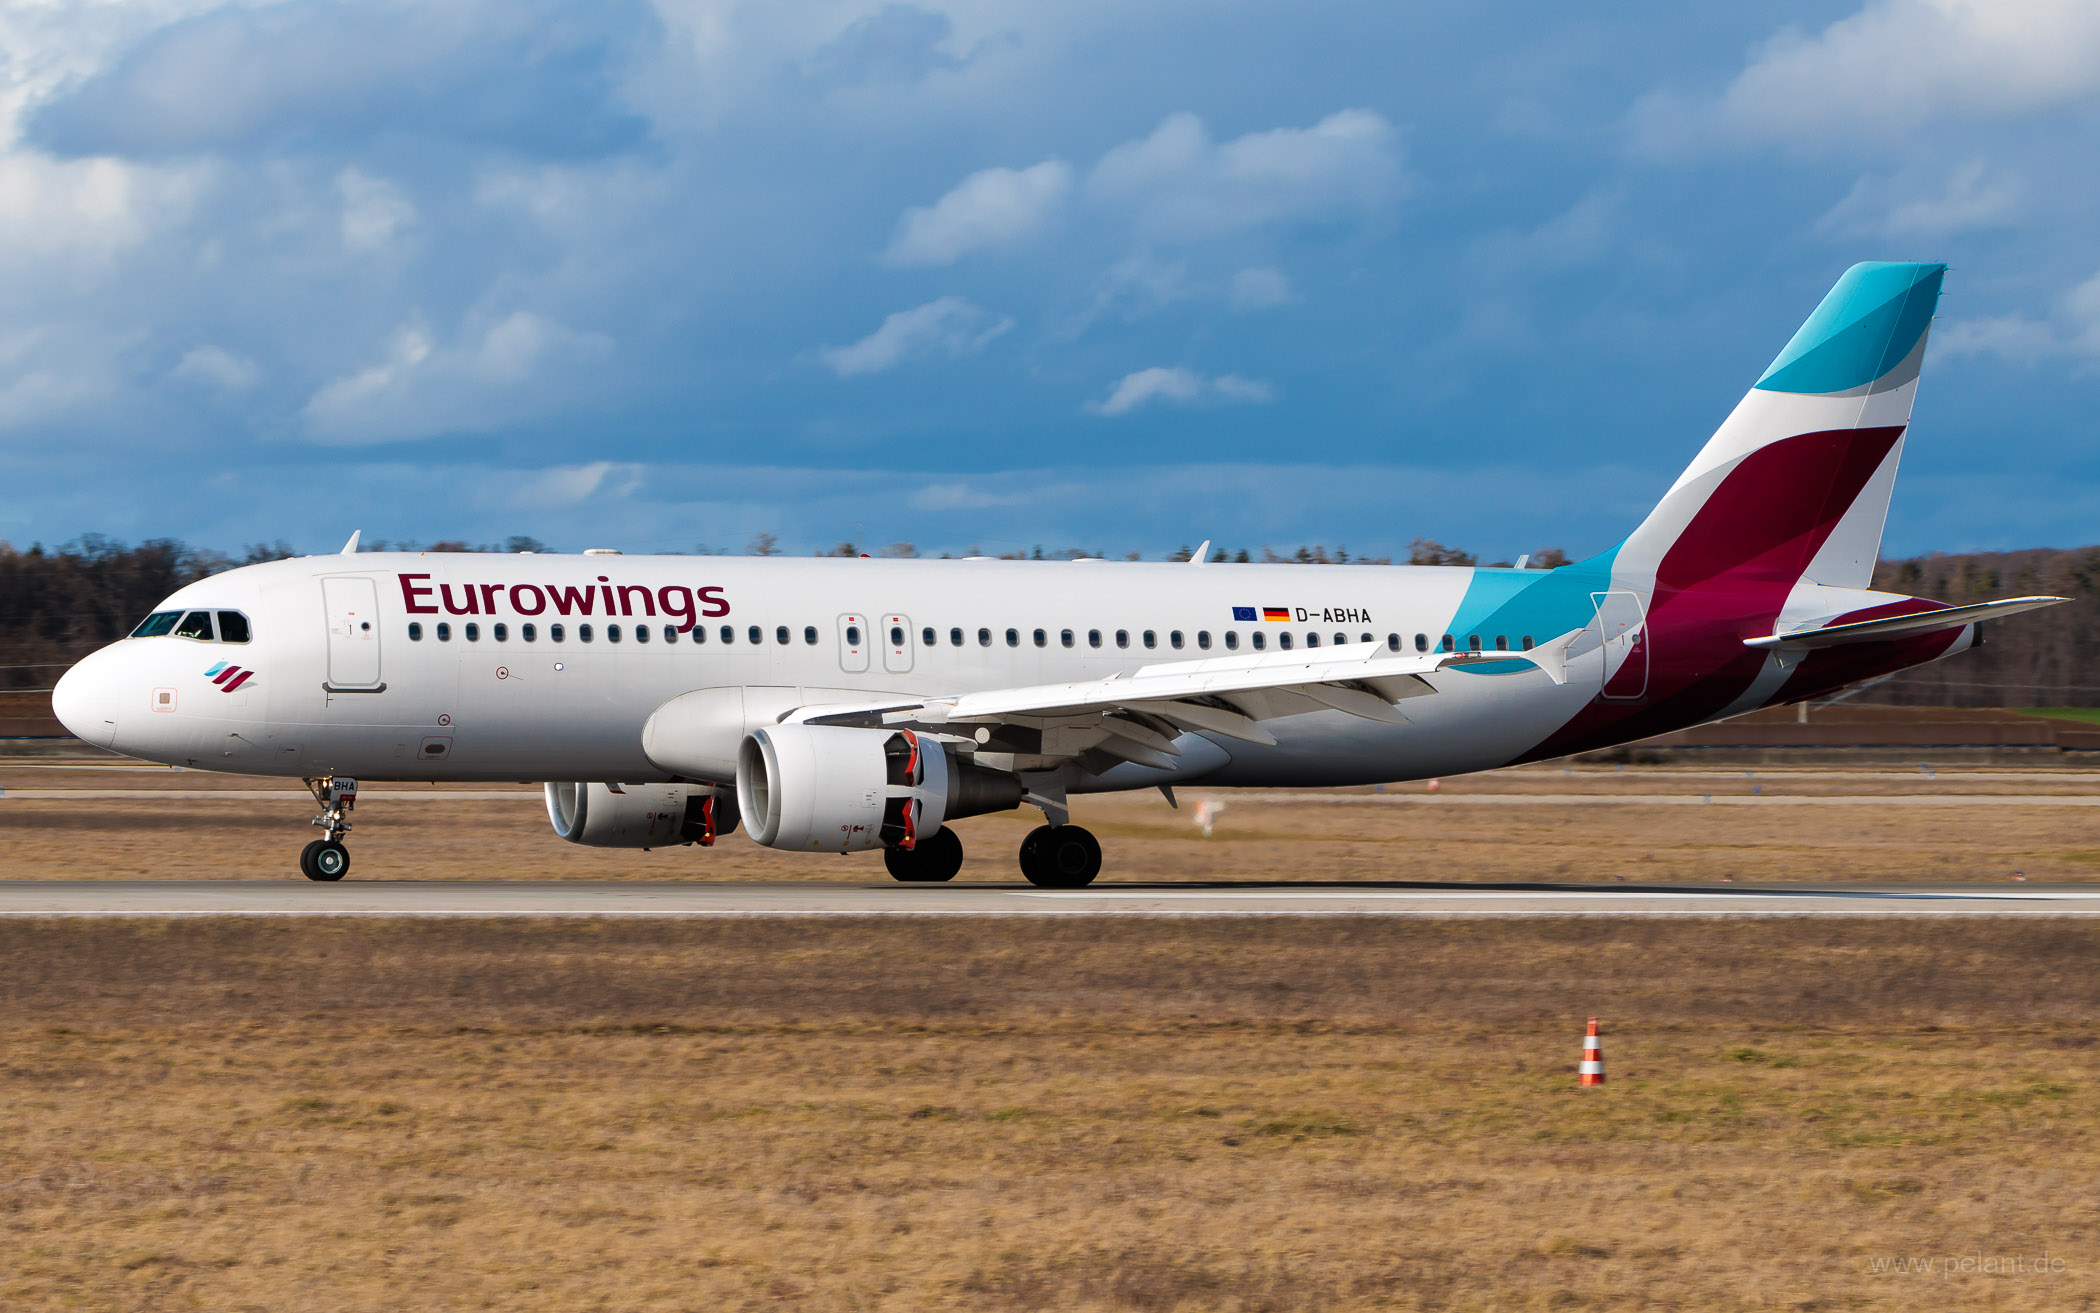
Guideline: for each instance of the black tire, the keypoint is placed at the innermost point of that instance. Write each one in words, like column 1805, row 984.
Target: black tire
column 325, row 860
column 933, row 860
column 1060, row 857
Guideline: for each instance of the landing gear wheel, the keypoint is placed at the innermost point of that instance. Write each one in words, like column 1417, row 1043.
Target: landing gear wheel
column 324, row 859
column 933, row 860
column 1060, row 857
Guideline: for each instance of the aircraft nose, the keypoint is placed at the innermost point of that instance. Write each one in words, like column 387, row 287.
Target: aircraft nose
column 86, row 699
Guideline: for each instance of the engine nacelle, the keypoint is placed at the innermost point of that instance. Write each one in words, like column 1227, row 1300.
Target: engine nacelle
column 829, row 788
column 640, row 815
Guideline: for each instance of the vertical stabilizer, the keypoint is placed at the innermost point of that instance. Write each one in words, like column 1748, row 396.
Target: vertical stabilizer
column 1795, row 485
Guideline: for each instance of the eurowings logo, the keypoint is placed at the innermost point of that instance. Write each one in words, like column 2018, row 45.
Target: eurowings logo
column 229, row 677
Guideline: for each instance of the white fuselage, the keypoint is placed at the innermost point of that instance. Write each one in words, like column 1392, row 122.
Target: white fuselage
column 353, row 675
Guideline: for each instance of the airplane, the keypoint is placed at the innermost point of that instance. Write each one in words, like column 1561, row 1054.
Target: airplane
column 841, row 705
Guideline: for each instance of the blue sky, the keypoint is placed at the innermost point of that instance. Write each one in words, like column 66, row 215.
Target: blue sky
column 1094, row 275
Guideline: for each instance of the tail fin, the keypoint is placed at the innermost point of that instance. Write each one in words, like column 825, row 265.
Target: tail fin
column 1795, row 484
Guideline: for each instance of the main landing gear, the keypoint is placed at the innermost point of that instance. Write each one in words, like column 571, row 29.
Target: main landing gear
column 1060, row 857
column 326, row 858
column 1052, row 857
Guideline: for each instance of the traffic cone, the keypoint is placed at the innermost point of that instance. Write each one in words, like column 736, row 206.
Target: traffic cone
column 1592, row 1067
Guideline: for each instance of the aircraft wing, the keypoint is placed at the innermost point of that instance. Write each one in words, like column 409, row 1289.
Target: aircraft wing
column 1822, row 633
column 1135, row 715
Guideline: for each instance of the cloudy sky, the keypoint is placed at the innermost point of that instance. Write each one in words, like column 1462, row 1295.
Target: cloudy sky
column 1111, row 276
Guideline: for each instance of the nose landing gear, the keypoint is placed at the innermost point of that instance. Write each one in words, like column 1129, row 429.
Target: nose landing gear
column 326, row 858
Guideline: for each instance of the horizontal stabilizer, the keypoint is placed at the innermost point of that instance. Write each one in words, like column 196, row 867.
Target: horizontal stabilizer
column 1826, row 634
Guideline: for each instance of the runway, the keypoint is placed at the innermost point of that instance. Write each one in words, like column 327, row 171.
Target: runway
column 432, row 898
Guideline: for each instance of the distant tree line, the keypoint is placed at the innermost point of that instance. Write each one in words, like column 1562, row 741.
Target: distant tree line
column 59, row 604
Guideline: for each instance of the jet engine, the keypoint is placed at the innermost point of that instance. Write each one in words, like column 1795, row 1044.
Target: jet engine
column 828, row 788
column 640, row 815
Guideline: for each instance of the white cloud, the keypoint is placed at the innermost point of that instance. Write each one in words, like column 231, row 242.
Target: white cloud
column 1910, row 204
column 502, row 371
column 1180, row 386
column 373, row 210
column 1894, row 66
column 1178, row 182
column 91, row 206
column 562, row 486
column 950, row 327
column 991, row 209
column 2073, row 330
column 217, row 366
column 1260, row 289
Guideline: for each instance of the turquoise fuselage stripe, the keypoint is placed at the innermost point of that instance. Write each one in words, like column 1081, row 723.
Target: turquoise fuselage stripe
column 1542, row 603
column 1865, row 327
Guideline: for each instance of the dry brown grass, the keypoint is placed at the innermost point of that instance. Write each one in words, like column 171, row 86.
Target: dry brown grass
column 1071, row 1114
column 206, row 836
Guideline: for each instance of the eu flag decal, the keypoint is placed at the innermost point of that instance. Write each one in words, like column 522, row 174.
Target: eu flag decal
column 1242, row 613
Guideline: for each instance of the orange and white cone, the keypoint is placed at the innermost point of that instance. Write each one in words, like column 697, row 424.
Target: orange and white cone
column 1592, row 1068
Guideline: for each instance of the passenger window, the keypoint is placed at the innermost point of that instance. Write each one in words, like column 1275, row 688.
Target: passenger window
column 1259, row 639
column 1203, row 639
column 583, row 633
column 1042, row 639
column 1065, row 636
column 444, row 632
column 729, row 634
column 557, row 633
column 1449, row 646
column 1342, row 640
column 809, row 635
column 501, row 632
column 233, row 627
column 641, row 633
column 1369, row 638
column 530, row 633
column 852, row 635
column 780, row 635
column 1013, row 638
column 612, row 633
column 1473, row 642
column 415, row 631
column 955, row 638
column 1232, row 640
column 670, row 633
column 1283, row 640
column 1151, row 639
column 927, row 638
column 896, row 635
column 1093, row 638
column 1312, row 640
column 1174, row 640
column 1122, row 638
column 699, row 634
column 755, row 634
column 984, row 638
column 1502, row 642
column 197, row 624
column 1421, row 642
column 157, row 624
column 1527, row 642
column 474, row 632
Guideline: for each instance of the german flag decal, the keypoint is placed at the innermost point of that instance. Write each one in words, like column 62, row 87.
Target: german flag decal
column 1276, row 613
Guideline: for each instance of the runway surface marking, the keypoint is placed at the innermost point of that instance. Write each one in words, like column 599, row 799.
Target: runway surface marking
column 120, row 898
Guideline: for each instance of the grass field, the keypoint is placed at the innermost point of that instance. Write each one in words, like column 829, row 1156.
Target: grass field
column 1160, row 1115
column 1347, row 835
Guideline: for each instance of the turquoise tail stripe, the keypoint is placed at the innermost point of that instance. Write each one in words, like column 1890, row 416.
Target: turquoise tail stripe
column 1542, row 603
column 1864, row 328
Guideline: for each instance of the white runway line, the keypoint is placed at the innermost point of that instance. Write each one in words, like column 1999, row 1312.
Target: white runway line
column 495, row 899
column 1240, row 796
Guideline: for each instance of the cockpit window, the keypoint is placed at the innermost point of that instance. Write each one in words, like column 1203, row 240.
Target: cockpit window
column 197, row 624
column 233, row 627
column 157, row 624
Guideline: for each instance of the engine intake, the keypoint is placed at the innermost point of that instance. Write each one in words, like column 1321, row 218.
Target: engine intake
column 828, row 788
column 640, row 815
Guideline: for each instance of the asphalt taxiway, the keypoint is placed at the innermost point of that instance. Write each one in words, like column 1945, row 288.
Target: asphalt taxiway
column 433, row 898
